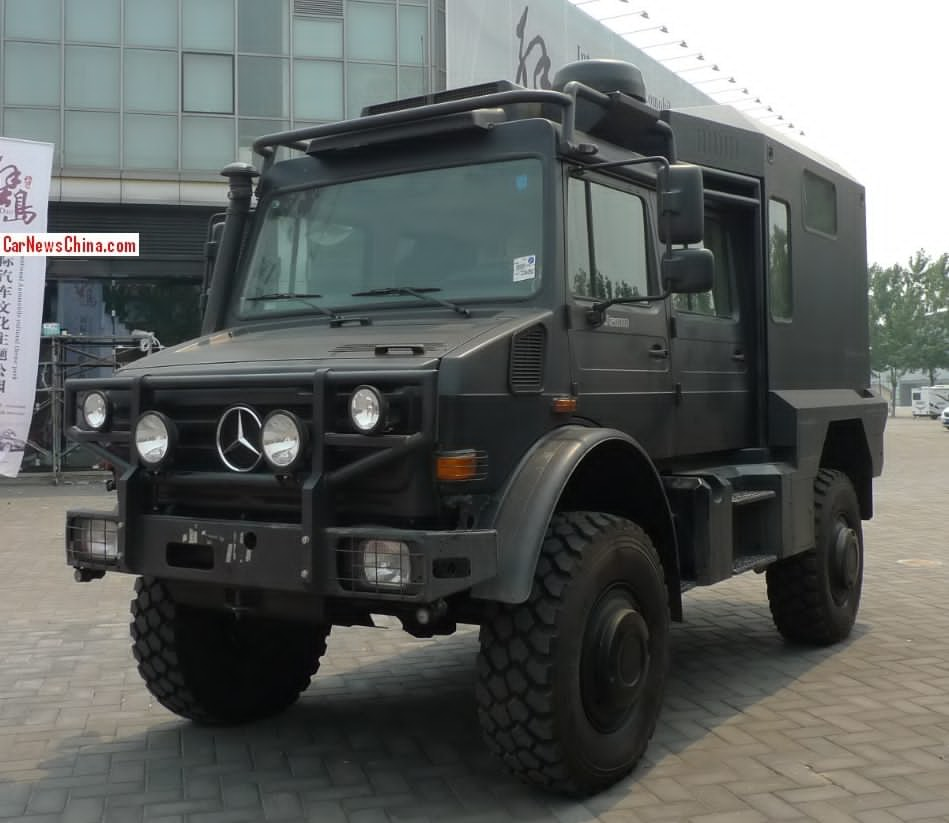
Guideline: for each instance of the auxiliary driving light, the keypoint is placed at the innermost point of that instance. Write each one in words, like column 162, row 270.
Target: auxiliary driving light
column 95, row 410
column 153, row 438
column 93, row 539
column 282, row 439
column 367, row 409
column 384, row 563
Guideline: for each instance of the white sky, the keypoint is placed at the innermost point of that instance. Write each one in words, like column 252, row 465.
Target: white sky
column 867, row 83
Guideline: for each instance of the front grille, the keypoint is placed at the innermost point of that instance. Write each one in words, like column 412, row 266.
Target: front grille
column 196, row 415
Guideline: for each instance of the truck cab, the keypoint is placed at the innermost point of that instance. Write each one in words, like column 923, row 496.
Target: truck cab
column 539, row 361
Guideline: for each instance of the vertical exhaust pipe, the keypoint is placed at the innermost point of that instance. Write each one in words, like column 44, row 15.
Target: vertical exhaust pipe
column 240, row 179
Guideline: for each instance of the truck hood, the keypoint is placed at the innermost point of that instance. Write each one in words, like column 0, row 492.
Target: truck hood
column 407, row 342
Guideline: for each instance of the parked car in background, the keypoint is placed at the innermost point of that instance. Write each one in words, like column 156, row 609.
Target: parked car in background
column 945, row 417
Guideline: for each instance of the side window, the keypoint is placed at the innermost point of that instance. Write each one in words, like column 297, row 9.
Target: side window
column 718, row 301
column 820, row 204
column 578, row 239
column 779, row 261
column 615, row 263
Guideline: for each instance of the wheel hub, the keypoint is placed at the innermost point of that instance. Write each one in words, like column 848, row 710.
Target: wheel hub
column 845, row 561
column 615, row 660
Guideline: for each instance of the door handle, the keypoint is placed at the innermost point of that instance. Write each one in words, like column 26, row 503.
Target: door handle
column 739, row 357
column 658, row 352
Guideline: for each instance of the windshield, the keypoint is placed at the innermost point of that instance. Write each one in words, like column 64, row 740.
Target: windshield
column 463, row 233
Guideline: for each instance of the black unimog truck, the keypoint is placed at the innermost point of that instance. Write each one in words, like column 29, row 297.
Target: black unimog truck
column 539, row 361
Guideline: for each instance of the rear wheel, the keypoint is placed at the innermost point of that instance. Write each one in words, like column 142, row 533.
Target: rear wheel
column 214, row 668
column 571, row 682
column 814, row 596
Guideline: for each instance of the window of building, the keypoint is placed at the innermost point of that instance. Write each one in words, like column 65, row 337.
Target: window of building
column 92, row 77
column 34, row 124
column 92, row 139
column 413, row 35
column 151, row 141
column 317, row 90
column 151, row 23
column 718, row 301
column 412, row 81
column 207, row 83
column 151, row 80
column 779, row 260
column 93, row 21
column 207, row 25
column 31, row 73
column 820, row 204
column 207, row 143
column 248, row 130
column 263, row 26
column 370, row 32
column 617, row 253
column 263, row 85
column 33, row 19
column 367, row 84
column 317, row 38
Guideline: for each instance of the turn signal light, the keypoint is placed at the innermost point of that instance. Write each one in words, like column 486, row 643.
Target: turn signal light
column 565, row 405
column 460, row 465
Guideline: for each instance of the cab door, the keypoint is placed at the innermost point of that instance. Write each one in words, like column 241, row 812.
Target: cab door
column 621, row 367
column 715, row 355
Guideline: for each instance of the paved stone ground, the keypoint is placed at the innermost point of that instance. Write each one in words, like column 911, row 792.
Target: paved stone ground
column 752, row 730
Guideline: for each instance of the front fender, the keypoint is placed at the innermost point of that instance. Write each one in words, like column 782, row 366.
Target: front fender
column 528, row 501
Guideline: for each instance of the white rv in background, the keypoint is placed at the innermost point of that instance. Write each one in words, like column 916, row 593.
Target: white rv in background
column 929, row 401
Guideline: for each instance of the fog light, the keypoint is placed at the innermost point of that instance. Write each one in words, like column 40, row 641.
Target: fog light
column 367, row 409
column 94, row 539
column 385, row 563
column 153, row 438
column 95, row 410
column 282, row 440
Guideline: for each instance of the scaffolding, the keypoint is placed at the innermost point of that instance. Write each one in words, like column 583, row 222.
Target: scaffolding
column 64, row 356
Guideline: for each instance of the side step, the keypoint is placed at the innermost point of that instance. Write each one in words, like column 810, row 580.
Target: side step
column 758, row 562
column 744, row 498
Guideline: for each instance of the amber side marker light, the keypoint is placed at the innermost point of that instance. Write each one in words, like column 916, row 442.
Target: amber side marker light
column 460, row 465
column 564, row 405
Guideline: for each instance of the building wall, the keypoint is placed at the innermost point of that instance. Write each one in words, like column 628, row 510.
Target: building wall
column 146, row 100
column 527, row 41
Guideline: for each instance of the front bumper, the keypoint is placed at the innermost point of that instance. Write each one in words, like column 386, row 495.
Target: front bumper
column 277, row 557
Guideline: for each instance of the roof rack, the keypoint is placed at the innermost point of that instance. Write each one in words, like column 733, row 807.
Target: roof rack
column 631, row 116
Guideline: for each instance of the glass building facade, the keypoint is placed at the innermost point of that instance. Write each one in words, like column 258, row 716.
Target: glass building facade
column 176, row 89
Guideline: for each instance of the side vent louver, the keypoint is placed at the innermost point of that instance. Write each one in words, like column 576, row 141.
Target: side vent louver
column 318, row 8
column 528, row 349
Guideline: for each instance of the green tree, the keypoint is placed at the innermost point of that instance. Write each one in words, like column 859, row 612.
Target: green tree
column 893, row 324
column 929, row 287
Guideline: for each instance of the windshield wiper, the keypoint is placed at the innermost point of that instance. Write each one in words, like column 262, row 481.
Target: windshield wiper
column 420, row 293
column 303, row 297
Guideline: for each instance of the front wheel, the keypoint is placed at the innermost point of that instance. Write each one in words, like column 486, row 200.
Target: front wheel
column 571, row 682
column 814, row 596
column 216, row 668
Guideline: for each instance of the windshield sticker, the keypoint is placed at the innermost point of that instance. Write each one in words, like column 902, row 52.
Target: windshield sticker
column 525, row 267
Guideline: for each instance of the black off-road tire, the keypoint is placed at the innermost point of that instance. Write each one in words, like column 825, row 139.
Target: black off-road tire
column 814, row 596
column 542, row 669
column 216, row 669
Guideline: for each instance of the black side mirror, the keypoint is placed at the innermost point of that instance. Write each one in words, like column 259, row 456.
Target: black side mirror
column 681, row 204
column 688, row 271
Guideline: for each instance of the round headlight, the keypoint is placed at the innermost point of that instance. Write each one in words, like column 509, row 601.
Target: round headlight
column 152, row 438
column 282, row 439
column 95, row 409
column 366, row 409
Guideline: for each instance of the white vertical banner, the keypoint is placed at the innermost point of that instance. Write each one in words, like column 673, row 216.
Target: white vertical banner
column 25, row 170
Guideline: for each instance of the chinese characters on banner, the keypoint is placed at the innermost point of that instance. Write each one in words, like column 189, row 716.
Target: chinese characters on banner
column 25, row 169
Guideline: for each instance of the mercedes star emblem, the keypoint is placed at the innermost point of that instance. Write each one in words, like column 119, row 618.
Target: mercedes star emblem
column 238, row 439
